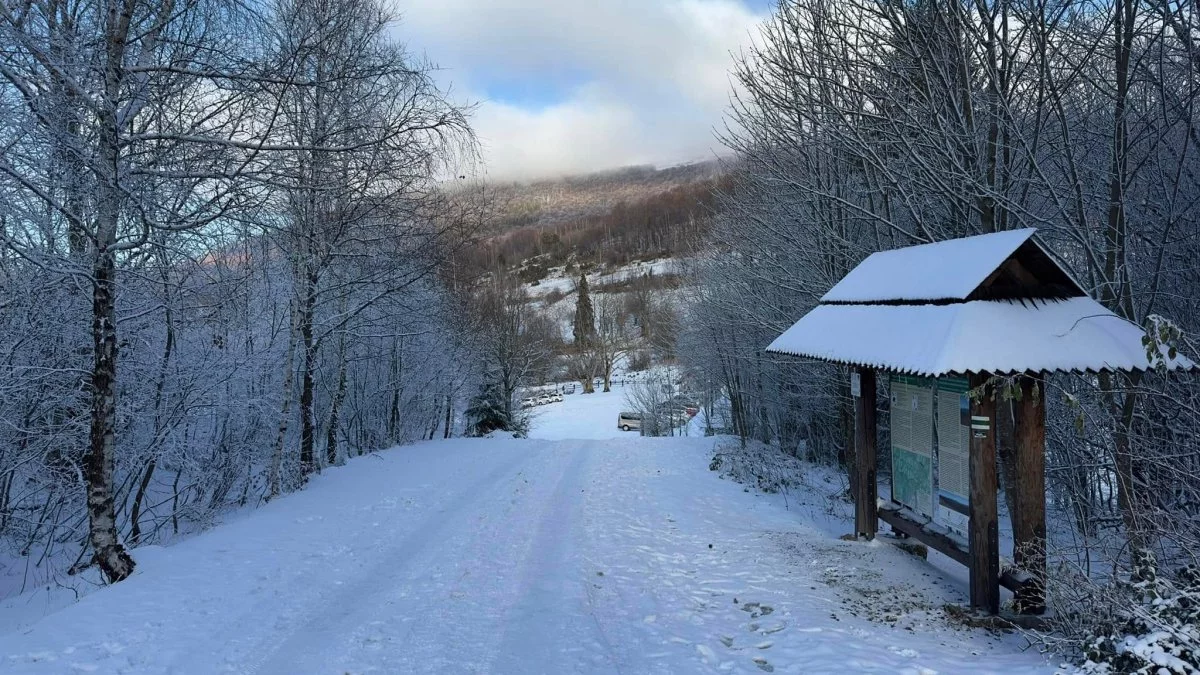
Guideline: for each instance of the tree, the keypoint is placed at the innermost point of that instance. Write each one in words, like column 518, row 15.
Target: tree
column 138, row 122
column 515, row 342
column 614, row 336
column 584, row 326
column 365, row 131
column 489, row 411
column 583, row 364
column 202, row 203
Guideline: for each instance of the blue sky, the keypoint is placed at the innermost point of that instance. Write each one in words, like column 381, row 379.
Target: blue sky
column 569, row 86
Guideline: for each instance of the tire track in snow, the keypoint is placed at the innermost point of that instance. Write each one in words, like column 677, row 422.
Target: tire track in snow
column 461, row 623
column 312, row 641
column 551, row 628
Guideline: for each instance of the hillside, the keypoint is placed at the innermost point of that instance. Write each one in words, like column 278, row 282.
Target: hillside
column 603, row 219
column 553, row 201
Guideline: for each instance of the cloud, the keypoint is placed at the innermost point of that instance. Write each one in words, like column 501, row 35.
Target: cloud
column 566, row 86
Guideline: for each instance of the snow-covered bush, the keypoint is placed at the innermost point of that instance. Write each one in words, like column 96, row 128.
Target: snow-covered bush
column 1147, row 625
column 757, row 464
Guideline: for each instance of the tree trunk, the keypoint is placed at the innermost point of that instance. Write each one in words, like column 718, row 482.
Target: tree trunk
column 308, row 385
column 135, row 511
column 394, row 411
column 1115, row 290
column 289, row 374
column 335, row 409
column 110, row 555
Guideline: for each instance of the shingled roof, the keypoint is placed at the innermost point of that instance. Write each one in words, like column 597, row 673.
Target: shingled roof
column 995, row 303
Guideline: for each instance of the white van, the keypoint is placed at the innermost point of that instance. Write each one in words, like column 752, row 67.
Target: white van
column 628, row 421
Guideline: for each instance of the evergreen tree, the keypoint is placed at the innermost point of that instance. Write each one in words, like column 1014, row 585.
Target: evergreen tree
column 488, row 412
column 585, row 316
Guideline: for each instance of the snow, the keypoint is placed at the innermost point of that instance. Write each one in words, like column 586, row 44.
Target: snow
column 581, row 550
column 961, row 265
column 1076, row 334
column 581, row 416
column 561, row 284
column 558, row 280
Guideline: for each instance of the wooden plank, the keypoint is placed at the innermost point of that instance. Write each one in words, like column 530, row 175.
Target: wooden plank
column 893, row 514
column 1029, row 518
column 938, row 541
column 866, row 489
column 983, row 534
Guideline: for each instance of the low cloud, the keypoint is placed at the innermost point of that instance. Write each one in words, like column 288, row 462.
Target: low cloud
column 618, row 82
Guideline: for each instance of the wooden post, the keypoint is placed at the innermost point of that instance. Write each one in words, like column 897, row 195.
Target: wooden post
column 983, row 535
column 1029, row 521
column 866, row 520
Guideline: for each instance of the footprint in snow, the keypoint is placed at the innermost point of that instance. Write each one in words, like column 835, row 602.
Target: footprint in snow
column 764, row 664
column 768, row 630
column 756, row 610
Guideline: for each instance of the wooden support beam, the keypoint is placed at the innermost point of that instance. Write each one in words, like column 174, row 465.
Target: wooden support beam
column 1029, row 516
column 866, row 489
column 950, row 546
column 983, row 534
column 938, row 541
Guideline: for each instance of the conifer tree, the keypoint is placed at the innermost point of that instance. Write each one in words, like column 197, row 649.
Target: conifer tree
column 585, row 316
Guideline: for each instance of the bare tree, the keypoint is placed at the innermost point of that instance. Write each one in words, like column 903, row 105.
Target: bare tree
column 132, row 126
column 861, row 126
column 614, row 336
column 515, row 341
column 223, row 200
column 366, row 131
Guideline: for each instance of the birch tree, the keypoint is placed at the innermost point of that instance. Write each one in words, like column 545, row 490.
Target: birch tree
column 212, row 216
column 120, row 98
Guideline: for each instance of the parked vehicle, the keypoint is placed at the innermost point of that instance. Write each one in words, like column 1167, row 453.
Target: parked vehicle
column 544, row 399
column 628, row 421
column 569, row 388
column 557, row 398
column 528, row 403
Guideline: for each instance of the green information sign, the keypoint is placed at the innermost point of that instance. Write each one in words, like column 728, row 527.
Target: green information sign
column 912, row 442
column 911, row 483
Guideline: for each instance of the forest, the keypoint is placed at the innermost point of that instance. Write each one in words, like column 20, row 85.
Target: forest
column 864, row 126
column 241, row 243
column 220, row 231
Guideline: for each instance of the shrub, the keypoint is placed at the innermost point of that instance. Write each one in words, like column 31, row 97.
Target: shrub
column 1151, row 626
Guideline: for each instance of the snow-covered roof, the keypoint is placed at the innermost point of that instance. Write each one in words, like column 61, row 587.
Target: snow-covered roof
column 944, row 270
column 997, row 336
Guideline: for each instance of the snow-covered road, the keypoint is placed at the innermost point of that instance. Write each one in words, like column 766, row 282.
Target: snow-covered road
column 621, row 555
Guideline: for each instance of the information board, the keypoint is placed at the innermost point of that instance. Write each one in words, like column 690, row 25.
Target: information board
column 953, row 452
column 912, row 443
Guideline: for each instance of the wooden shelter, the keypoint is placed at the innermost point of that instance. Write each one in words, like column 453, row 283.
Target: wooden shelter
column 942, row 320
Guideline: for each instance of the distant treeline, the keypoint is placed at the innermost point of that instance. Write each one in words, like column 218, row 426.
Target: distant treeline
column 668, row 223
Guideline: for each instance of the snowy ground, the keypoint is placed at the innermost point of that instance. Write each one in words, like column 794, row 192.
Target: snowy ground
column 607, row 553
column 581, row 416
column 559, row 280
